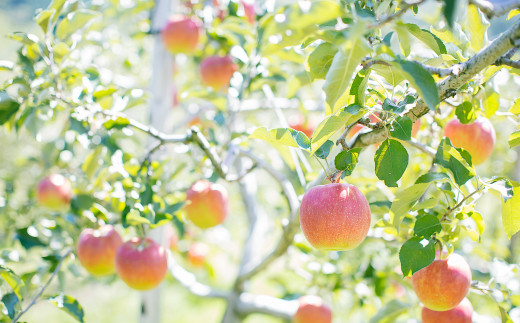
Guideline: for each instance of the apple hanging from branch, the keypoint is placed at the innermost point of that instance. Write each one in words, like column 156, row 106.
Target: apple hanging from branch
column 216, row 71
column 181, row 34
column 207, row 204
column 97, row 250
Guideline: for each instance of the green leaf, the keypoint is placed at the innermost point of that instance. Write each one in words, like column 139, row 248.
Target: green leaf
column 404, row 39
column 390, row 312
column 283, row 136
column 421, row 80
column 10, row 301
column 82, row 202
column 504, row 316
column 13, row 280
column 401, row 128
column 359, row 86
column 118, row 123
column 92, row 162
column 330, row 125
column 324, row 151
column 510, row 213
column 8, row 107
column 515, row 108
column 431, row 177
column 391, row 160
column 404, row 201
column 43, row 18
column 491, row 104
column 347, row 161
column 427, row 225
column 449, row 11
column 514, row 139
column 27, row 240
column 415, row 254
column 174, row 208
column 476, row 26
column 70, row 305
column 428, row 38
column 74, row 21
column 465, row 113
column 26, row 39
column 389, row 105
column 452, row 159
column 319, row 61
column 146, row 196
column 344, row 64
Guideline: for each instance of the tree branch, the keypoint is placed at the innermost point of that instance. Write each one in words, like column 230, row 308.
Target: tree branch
column 495, row 8
column 404, row 8
column 263, row 304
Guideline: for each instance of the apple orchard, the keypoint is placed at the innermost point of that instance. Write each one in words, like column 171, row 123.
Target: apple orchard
column 262, row 161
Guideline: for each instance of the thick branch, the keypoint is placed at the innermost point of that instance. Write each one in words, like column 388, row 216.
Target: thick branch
column 263, row 304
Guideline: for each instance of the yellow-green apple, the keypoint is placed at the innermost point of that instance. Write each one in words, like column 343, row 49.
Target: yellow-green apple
column 299, row 123
column 216, row 71
column 181, row 34
column 462, row 313
column 311, row 309
column 97, row 250
column 478, row 137
column 141, row 263
column 206, row 204
column 55, row 192
column 197, row 254
column 443, row 284
column 335, row 216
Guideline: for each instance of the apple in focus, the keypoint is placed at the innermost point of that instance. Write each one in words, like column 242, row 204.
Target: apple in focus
column 206, row 204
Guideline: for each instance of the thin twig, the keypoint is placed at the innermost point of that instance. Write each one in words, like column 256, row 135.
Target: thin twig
column 404, row 8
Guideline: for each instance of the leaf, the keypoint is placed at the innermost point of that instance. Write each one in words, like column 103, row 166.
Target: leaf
column 12, row 280
column 344, row 64
column 391, row 160
column 6, row 65
column 427, row 225
column 10, row 301
column 428, row 38
column 82, row 202
column 174, row 208
column 74, row 21
column 476, row 27
column 401, row 128
column 8, row 107
column 510, row 212
column 505, row 189
column 92, row 162
column 431, row 177
column 330, row 125
column 515, row 108
column 283, row 136
column 451, row 158
column 415, row 254
column 491, row 104
column 359, row 86
column 118, row 123
column 324, row 151
column 389, row 105
column 404, row 39
column 146, row 196
column 27, row 240
column 70, row 305
column 319, row 61
column 404, row 201
column 347, row 161
column 43, row 18
column 390, row 312
column 421, row 80
column 514, row 139
column 449, row 11
column 465, row 113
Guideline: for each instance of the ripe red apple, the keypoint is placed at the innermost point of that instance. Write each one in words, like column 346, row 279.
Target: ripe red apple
column 335, row 216
column 299, row 123
column 478, row 137
column 55, row 192
column 97, row 250
column 141, row 264
column 197, row 254
column 216, row 71
column 181, row 34
column 462, row 313
column 443, row 284
column 207, row 204
column 312, row 310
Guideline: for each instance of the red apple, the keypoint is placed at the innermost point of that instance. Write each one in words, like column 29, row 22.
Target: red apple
column 207, row 204
column 55, row 192
column 181, row 34
column 197, row 254
column 462, row 313
column 249, row 10
column 312, row 310
column 299, row 123
column 141, row 264
column 216, row 71
column 335, row 216
column 97, row 250
column 443, row 284
column 478, row 137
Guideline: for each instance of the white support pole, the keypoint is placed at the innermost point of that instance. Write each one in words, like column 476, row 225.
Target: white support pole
column 160, row 105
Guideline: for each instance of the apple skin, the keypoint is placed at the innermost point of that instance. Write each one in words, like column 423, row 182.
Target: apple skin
column 478, row 137
column 299, row 123
column 181, row 34
column 249, row 10
column 142, row 265
column 312, row 310
column 335, row 216
column 216, row 71
column 97, row 250
column 197, row 254
column 55, row 192
column 462, row 313
column 443, row 284
column 207, row 204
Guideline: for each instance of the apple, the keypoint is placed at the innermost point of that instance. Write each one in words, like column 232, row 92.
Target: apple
column 206, row 204
column 141, row 263
column 335, row 216
column 97, row 250
column 478, row 137
column 443, row 284
column 197, row 254
column 55, row 192
column 181, row 34
column 249, row 10
column 216, row 71
column 311, row 309
column 416, row 127
column 298, row 123
column 462, row 313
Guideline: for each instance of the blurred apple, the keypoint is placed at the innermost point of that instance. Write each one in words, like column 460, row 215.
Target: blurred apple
column 197, row 254
column 299, row 123
column 478, row 137
column 249, row 10
column 55, row 192
column 97, row 250
column 207, row 204
column 181, row 34
column 462, row 313
column 216, row 71
column 311, row 309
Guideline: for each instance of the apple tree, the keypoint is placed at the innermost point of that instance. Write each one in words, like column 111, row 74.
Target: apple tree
column 304, row 161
